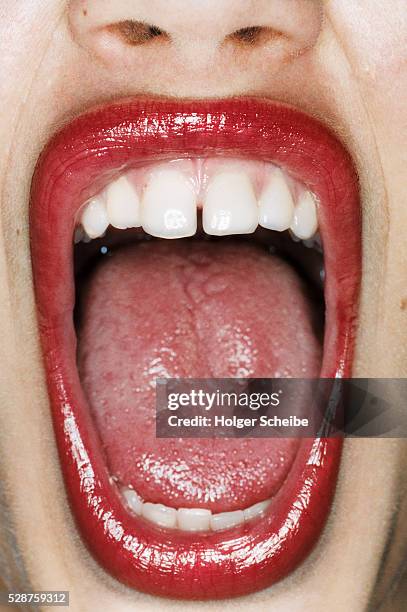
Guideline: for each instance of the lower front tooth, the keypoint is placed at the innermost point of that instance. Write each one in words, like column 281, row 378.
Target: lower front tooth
column 194, row 519
column 122, row 204
column 225, row 520
column 134, row 501
column 305, row 221
column 169, row 205
column 230, row 205
column 255, row 510
column 94, row 218
column 160, row 515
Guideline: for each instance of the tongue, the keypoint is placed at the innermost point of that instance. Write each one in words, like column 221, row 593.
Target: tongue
column 191, row 309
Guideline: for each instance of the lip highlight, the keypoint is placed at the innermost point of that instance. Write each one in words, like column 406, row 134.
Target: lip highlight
column 78, row 162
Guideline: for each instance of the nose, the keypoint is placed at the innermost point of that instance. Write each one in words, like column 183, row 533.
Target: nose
column 190, row 37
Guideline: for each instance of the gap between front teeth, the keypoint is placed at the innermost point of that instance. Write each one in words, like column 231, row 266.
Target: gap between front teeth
column 233, row 198
column 190, row 519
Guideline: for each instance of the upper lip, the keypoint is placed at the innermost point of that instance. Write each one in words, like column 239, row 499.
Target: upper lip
column 76, row 164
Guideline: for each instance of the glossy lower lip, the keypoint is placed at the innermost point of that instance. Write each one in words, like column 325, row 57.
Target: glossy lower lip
column 76, row 164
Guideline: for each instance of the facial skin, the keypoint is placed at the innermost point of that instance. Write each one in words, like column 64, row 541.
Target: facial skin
column 339, row 60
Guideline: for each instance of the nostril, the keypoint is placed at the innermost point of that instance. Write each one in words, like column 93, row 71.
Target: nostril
column 254, row 35
column 124, row 33
column 134, row 33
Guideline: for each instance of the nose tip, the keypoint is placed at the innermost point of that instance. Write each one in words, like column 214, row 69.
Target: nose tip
column 114, row 32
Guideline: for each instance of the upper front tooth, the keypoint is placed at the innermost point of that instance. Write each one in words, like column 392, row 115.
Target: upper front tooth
column 169, row 205
column 94, row 218
column 276, row 205
column 122, row 204
column 305, row 221
column 230, row 205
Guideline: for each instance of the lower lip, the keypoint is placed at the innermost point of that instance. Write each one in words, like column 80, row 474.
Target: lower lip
column 83, row 155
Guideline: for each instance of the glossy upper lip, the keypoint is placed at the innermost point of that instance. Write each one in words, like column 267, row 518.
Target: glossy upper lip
column 76, row 164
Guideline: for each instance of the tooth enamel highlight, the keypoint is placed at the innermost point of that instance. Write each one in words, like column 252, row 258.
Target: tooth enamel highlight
column 94, row 218
column 305, row 222
column 230, row 205
column 169, row 206
column 160, row 515
column 276, row 205
column 256, row 510
column 122, row 204
column 194, row 519
column 225, row 520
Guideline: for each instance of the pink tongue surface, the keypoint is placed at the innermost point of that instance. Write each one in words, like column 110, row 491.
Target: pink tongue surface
column 191, row 309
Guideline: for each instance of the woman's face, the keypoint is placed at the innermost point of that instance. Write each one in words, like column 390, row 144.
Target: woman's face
column 340, row 61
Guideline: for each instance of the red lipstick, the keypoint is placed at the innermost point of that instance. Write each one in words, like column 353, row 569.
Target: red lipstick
column 75, row 165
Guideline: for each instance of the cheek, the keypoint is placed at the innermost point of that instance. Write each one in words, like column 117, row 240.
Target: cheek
column 374, row 33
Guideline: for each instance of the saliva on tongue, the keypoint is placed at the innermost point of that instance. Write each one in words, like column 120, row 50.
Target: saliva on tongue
column 193, row 309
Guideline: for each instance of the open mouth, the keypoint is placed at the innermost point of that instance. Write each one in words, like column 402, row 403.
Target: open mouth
column 193, row 239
